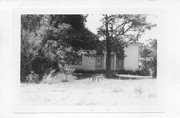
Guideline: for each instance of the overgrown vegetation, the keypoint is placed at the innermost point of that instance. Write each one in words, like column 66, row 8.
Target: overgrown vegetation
column 148, row 54
column 58, row 78
column 117, row 29
column 88, row 73
column 55, row 37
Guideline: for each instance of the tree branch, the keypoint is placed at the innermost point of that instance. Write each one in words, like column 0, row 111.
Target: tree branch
column 121, row 32
column 124, row 32
column 125, row 22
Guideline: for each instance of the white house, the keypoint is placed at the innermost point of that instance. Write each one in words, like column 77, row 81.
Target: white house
column 130, row 62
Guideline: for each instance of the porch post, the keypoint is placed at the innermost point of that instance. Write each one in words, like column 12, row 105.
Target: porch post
column 114, row 61
column 104, row 60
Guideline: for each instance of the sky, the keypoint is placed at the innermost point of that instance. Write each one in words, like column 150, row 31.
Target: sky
column 93, row 22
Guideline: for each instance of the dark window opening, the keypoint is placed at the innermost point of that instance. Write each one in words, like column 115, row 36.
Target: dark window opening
column 99, row 61
column 77, row 60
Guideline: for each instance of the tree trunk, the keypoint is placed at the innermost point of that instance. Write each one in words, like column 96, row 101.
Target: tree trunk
column 108, row 47
column 108, row 58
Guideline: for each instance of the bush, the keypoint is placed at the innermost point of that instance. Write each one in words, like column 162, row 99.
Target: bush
column 81, row 74
column 142, row 72
column 111, row 74
column 24, row 71
column 32, row 78
column 128, row 72
column 155, row 73
column 58, row 78
column 90, row 71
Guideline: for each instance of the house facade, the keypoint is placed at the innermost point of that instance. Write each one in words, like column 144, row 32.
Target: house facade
column 130, row 62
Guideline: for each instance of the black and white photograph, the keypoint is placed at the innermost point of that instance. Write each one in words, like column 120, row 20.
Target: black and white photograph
column 83, row 59
column 89, row 59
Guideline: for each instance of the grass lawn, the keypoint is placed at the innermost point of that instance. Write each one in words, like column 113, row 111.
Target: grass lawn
column 84, row 92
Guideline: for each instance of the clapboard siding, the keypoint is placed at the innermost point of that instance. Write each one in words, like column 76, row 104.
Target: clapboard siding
column 88, row 63
column 131, row 61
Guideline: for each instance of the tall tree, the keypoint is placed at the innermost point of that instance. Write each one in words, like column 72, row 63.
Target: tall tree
column 121, row 28
column 72, row 36
column 29, row 45
column 59, row 37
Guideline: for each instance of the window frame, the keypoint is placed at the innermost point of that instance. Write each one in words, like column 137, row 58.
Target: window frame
column 77, row 60
column 100, row 59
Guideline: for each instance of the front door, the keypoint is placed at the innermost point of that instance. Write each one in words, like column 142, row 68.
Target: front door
column 119, row 64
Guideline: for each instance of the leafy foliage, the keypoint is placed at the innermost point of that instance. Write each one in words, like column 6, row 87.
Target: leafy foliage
column 148, row 55
column 32, row 78
column 58, row 37
column 120, row 28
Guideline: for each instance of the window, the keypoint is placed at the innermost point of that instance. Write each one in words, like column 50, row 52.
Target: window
column 99, row 61
column 77, row 60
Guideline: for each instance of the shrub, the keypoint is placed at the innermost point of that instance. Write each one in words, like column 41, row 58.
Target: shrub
column 90, row 71
column 32, row 78
column 24, row 71
column 111, row 74
column 154, row 72
column 128, row 72
column 81, row 74
column 143, row 72
column 58, row 78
